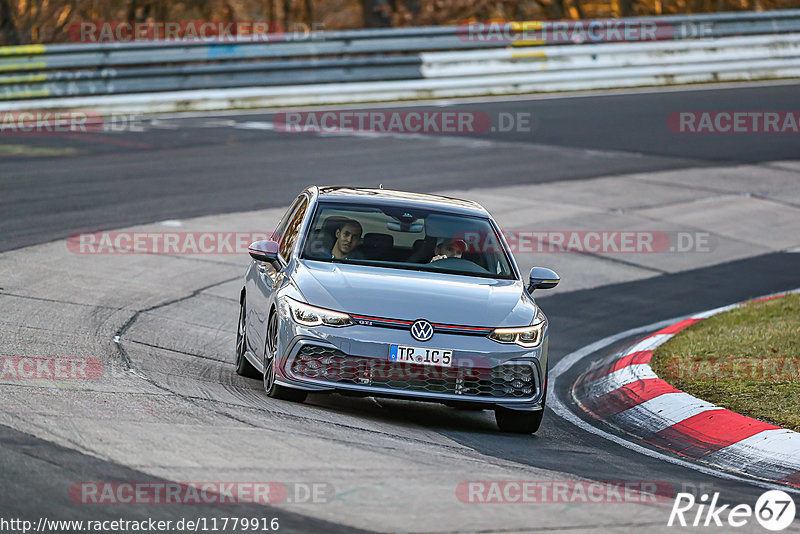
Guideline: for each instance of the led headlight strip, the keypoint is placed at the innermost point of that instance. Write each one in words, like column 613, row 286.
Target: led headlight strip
column 524, row 336
column 308, row 315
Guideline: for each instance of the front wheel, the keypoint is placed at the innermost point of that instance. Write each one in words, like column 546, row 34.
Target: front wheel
column 518, row 422
column 272, row 389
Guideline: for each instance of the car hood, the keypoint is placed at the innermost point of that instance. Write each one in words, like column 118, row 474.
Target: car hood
column 410, row 295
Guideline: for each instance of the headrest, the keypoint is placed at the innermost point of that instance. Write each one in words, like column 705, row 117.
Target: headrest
column 375, row 240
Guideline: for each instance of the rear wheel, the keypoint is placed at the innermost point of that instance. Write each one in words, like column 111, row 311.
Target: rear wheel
column 243, row 366
column 270, row 387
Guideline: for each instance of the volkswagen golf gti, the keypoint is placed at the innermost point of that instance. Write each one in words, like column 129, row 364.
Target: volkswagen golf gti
column 372, row 292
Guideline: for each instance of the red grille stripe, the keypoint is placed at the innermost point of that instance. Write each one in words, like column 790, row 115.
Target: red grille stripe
column 444, row 326
column 379, row 320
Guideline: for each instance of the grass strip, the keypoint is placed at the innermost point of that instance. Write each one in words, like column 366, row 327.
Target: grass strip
column 746, row 359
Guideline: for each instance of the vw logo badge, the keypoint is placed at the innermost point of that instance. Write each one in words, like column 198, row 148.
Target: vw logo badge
column 422, row 330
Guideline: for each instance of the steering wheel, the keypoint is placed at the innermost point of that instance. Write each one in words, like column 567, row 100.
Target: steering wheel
column 459, row 264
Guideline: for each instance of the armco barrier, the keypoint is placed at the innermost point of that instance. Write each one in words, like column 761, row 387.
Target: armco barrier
column 613, row 56
column 361, row 65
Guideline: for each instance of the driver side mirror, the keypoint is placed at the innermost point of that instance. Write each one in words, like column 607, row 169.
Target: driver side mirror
column 265, row 251
column 542, row 278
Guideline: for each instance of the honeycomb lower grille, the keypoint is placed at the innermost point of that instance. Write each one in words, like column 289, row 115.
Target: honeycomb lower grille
column 506, row 381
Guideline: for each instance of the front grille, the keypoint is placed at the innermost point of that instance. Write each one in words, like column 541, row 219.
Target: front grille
column 514, row 381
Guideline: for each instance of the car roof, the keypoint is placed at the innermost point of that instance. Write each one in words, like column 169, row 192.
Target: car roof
column 399, row 198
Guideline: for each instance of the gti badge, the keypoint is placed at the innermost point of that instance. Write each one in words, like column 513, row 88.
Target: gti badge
column 422, row 330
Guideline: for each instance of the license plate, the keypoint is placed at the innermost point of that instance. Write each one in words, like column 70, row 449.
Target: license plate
column 421, row 355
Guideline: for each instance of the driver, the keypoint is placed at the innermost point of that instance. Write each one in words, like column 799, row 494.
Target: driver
column 448, row 248
column 348, row 238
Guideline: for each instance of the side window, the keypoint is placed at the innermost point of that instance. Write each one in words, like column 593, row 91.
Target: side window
column 292, row 229
column 279, row 231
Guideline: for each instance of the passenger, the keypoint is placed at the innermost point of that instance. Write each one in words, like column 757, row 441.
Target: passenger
column 348, row 239
column 448, row 248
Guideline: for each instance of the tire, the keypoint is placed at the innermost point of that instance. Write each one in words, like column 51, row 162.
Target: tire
column 243, row 365
column 272, row 389
column 519, row 422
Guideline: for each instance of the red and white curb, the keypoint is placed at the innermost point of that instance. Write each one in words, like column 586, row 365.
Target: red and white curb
column 623, row 391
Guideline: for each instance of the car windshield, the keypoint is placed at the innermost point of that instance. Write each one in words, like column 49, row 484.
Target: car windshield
column 407, row 238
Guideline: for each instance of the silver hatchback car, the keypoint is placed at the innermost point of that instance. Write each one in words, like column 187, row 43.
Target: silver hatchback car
column 372, row 292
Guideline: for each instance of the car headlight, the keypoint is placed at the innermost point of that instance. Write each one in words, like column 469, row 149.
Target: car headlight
column 308, row 315
column 524, row 336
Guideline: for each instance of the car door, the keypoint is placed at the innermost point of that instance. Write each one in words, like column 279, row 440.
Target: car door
column 264, row 279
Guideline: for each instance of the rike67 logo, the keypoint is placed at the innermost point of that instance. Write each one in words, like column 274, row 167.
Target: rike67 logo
column 774, row 510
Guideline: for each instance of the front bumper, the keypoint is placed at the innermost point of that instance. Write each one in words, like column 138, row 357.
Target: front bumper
column 355, row 359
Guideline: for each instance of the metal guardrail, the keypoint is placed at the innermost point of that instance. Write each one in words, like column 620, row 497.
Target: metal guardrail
column 74, row 70
column 711, row 53
column 223, row 75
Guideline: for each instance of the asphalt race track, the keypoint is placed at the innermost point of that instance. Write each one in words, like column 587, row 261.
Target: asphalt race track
column 169, row 407
column 193, row 167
